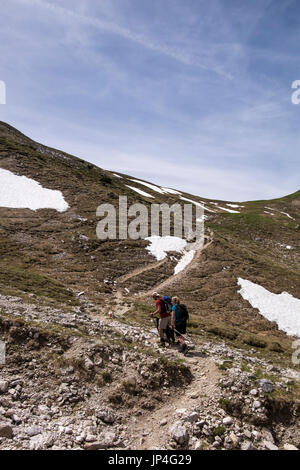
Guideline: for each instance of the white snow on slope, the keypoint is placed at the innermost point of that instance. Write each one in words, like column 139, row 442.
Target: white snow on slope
column 118, row 176
column 228, row 210
column 288, row 215
column 158, row 189
column 281, row 212
column 185, row 260
column 284, row 309
column 139, row 191
column 170, row 191
column 196, row 203
column 191, row 201
column 235, row 206
column 269, row 213
column 150, row 186
column 161, row 245
column 20, row 192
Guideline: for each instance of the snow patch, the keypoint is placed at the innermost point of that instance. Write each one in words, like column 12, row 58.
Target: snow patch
column 196, row 203
column 193, row 202
column 228, row 210
column 161, row 245
column 280, row 212
column 20, row 192
column 139, row 191
column 288, row 215
column 185, row 260
column 171, row 191
column 158, row 189
column 150, row 186
column 284, row 309
column 235, row 206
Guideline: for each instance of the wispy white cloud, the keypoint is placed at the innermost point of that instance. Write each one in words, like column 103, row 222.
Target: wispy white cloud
column 203, row 58
column 96, row 79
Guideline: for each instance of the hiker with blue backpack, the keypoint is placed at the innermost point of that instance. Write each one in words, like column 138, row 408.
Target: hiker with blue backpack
column 163, row 309
column 179, row 319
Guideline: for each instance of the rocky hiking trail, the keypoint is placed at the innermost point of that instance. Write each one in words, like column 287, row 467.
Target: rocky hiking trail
column 49, row 397
column 194, row 410
column 119, row 309
column 151, row 432
column 87, row 378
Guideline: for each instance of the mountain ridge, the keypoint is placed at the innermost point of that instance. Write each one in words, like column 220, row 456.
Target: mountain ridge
column 10, row 131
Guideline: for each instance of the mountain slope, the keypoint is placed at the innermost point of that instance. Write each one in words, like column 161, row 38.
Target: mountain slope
column 56, row 255
column 59, row 281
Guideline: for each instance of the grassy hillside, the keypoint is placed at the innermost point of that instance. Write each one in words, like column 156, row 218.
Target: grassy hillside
column 52, row 256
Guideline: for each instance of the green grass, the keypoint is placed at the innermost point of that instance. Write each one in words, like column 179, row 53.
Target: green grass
column 219, row 431
column 255, row 341
column 18, row 278
column 226, row 365
column 226, row 404
column 106, row 377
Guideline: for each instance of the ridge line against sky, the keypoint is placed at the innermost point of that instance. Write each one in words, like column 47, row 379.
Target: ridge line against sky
column 191, row 95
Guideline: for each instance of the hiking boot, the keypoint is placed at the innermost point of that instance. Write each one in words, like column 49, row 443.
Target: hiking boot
column 183, row 349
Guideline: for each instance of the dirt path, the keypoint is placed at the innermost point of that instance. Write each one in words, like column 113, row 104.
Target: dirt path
column 149, row 433
column 119, row 308
column 142, row 270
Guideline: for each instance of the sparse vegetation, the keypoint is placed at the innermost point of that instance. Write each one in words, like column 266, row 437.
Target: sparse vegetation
column 52, row 260
column 226, row 404
column 219, row 431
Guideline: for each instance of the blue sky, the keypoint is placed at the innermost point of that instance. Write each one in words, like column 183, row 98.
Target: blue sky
column 190, row 94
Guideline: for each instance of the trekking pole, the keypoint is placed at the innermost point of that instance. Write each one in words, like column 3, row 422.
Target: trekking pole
column 184, row 336
column 155, row 321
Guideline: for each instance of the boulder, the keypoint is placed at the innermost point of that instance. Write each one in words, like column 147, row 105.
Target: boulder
column 104, row 442
column 106, row 415
column 227, row 421
column 270, row 446
column 290, row 447
column 41, row 441
column 3, row 386
column 33, row 431
column 179, row 433
column 247, row 445
column 198, row 445
column 6, row 431
column 193, row 417
column 266, row 385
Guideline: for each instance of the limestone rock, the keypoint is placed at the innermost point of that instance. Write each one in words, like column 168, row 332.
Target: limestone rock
column 179, row 433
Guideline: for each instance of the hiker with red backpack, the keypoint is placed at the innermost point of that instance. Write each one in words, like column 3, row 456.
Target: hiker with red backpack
column 164, row 320
column 179, row 319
